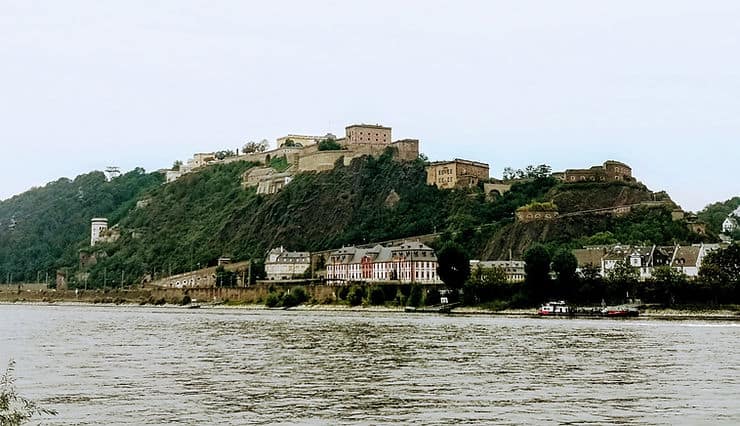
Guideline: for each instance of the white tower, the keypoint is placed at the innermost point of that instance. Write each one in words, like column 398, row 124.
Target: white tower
column 98, row 225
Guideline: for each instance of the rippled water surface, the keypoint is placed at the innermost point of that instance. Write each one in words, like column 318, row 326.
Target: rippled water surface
column 144, row 365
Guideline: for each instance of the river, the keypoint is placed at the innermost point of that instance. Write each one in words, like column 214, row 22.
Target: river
column 161, row 365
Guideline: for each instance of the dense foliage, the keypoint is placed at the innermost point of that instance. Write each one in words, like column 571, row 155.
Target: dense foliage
column 714, row 214
column 454, row 266
column 329, row 145
column 203, row 215
column 191, row 222
column 718, row 283
column 43, row 229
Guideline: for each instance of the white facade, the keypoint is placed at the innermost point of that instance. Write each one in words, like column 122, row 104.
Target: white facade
column 729, row 225
column 97, row 226
column 411, row 262
column 514, row 269
column 285, row 265
column 688, row 259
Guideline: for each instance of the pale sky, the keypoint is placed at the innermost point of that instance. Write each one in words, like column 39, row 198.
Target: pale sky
column 656, row 84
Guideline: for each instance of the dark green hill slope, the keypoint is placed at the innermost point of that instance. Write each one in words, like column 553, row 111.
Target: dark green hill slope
column 206, row 214
column 43, row 228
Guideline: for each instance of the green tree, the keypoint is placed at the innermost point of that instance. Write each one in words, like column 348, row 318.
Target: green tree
column 564, row 263
column 721, row 270
column 355, row 295
column 622, row 281
column 537, row 269
column 329, row 145
column 253, row 146
column 486, row 284
column 666, row 285
column 415, row 296
column 453, row 266
column 295, row 296
column 376, row 296
column 714, row 214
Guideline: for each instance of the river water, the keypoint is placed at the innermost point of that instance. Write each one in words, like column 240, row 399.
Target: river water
column 149, row 365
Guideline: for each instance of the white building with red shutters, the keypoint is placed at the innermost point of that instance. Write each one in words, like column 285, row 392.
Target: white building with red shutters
column 408, row 263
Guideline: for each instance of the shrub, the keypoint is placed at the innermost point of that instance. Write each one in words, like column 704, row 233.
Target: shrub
column 432, row 297
column 15, row 409
column 415, row 296
column 355, row 295
column 329, row 145
column 343, row 293
column 295, row 297
column 376, row 296
column 273, row 299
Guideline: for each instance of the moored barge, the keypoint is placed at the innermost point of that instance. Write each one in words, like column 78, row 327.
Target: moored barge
column 560, row 308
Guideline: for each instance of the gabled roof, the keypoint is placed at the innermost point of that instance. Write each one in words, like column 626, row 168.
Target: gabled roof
column 686, row 256
column 586, row 257
column 378, row 253
column 282, row 255
column 618, row 253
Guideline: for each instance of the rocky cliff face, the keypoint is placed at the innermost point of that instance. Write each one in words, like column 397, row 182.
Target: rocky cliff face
column 649, row 222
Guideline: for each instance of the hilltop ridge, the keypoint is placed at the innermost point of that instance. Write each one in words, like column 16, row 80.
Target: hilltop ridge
column 214, row 210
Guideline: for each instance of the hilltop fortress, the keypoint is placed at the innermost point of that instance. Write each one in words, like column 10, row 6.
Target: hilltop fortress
column 296, row 153
column 303, row 153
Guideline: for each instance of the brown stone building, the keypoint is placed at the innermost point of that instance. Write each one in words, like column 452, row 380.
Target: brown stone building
column 456, row 173
column 368, row 133
column 610, row 171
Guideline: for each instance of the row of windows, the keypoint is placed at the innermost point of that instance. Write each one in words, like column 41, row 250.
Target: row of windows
column 391, row 275
column 381, row 267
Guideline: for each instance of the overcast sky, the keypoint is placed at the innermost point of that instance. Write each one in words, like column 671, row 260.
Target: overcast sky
column 656, row 84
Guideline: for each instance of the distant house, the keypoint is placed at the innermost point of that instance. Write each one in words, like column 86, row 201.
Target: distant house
column 286, row 265
column 688, row 259
column 590, row 257
column 644, row 259
column 617, row 254
column 729, row 225
column 514, row 269
column 410, row 262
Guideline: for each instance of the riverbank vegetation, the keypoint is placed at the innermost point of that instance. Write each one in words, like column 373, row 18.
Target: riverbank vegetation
column 555, row 278
column 15, row 409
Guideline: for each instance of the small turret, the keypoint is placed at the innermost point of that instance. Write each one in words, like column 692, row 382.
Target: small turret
column 97, row 226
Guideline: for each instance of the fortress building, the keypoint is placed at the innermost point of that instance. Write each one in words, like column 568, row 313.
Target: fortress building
column 98, row 225
column 610, row 171
column 457, row 173
column 367, row 133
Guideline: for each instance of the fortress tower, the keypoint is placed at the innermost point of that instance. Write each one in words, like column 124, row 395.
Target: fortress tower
column 97, row 226
column 367, row 133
